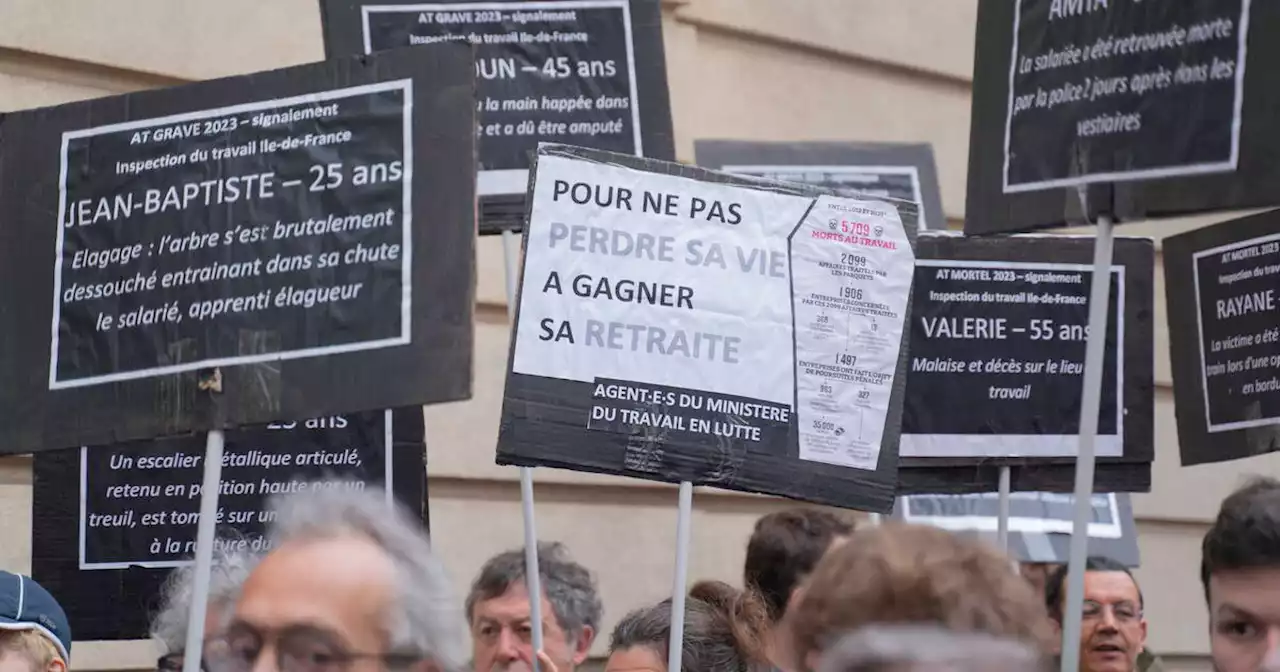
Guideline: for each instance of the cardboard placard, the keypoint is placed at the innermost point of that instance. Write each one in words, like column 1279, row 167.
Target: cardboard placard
column 110, row 521
column 678, row 324
column 307, row 233
column 582, row 72
column 1156, row 108
column 1224, row 340
column 1040, row 523
column 998, row 334
column 898, row 170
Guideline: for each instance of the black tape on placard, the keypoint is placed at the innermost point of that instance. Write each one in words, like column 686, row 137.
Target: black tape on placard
column 112, row 521
column 277, row 246
column 590, row 73
column 897, row 170
column 1160, row 108
column 1224, row 338
column 678, row 324
column 1040, row 523
column 998, row 334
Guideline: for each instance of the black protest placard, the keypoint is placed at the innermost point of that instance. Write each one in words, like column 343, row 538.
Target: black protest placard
column 111, row 521
column 679, row 324
column 307, row 232
column 996, row 374
column 1224, row 339
column 580, row 72
column 1040, row 523
column 1155, row 108
column 903, row 171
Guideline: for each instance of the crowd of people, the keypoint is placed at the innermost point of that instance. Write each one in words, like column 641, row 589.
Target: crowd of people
column 349, row 586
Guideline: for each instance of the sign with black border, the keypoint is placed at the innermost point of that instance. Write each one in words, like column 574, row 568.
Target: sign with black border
column 302, row 237
column 1040, row 523
column 1151, row 109
column 678, row 324
column 999, row 323
column 1224, row 344
column 590, row 73
column 897, row 170
column 116, row 564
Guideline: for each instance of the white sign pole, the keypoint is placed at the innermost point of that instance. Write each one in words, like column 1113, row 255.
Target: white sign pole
column 1002, row 522
column 1090, row 404
column 205, row 530
column 533, row 579
column 684, row 516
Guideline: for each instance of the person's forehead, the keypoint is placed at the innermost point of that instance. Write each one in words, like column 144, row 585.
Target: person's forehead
column 512, row 605
column 332, row 583
column 1256, row 591
column 1114, row 585
column 12, row 661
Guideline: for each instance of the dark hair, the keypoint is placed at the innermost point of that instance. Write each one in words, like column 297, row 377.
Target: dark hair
column 569, row 587
column 1246, row 533
column 897, row 573
column 785, row 547
column 1055, row 588
column 723, row 630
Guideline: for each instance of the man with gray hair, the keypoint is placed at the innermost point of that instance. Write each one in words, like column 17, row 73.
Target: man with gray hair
column 499, row 611
column 232, row 561
column 350, row 585
column 928, row 648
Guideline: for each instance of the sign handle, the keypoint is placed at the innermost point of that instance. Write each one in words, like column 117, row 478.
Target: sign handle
column 205, row 529
column 684, row 516
column 533, row 577
column 1002, row 522
column 1090, row 403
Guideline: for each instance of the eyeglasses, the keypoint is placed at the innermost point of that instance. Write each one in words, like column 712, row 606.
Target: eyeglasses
column 1123, row 612
column 298, row 649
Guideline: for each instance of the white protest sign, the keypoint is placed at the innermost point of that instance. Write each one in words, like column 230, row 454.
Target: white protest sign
column 702, row 315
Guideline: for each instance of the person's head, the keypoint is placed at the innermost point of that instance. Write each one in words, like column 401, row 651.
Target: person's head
column 351, row 585
column 783, row 550
column 897, row 573
column 1037, row 573
column 232, row 561
column 723, row 632
column 929, row 648
column 500, row 614
column 1240, row 571
column 1113, row 629
column 35, row 635
column 29, row 651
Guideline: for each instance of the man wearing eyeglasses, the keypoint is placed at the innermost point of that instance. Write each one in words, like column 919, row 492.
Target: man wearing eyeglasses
column 1113, row 630
column 232, row 560
column 351, row 585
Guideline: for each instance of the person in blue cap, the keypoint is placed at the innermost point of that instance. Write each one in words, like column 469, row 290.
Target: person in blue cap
column 34, row 633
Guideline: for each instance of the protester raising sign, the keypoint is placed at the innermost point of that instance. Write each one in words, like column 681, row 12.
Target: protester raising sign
column 582, row 72
column 135, row 510
column 1224, row 339
column 683, row 325
column 238, row 252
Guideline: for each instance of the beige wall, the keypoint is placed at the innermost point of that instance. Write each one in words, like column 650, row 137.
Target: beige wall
column 740, row 69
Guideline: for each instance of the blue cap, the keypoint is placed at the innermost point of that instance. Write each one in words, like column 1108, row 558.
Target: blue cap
column 26, row 605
